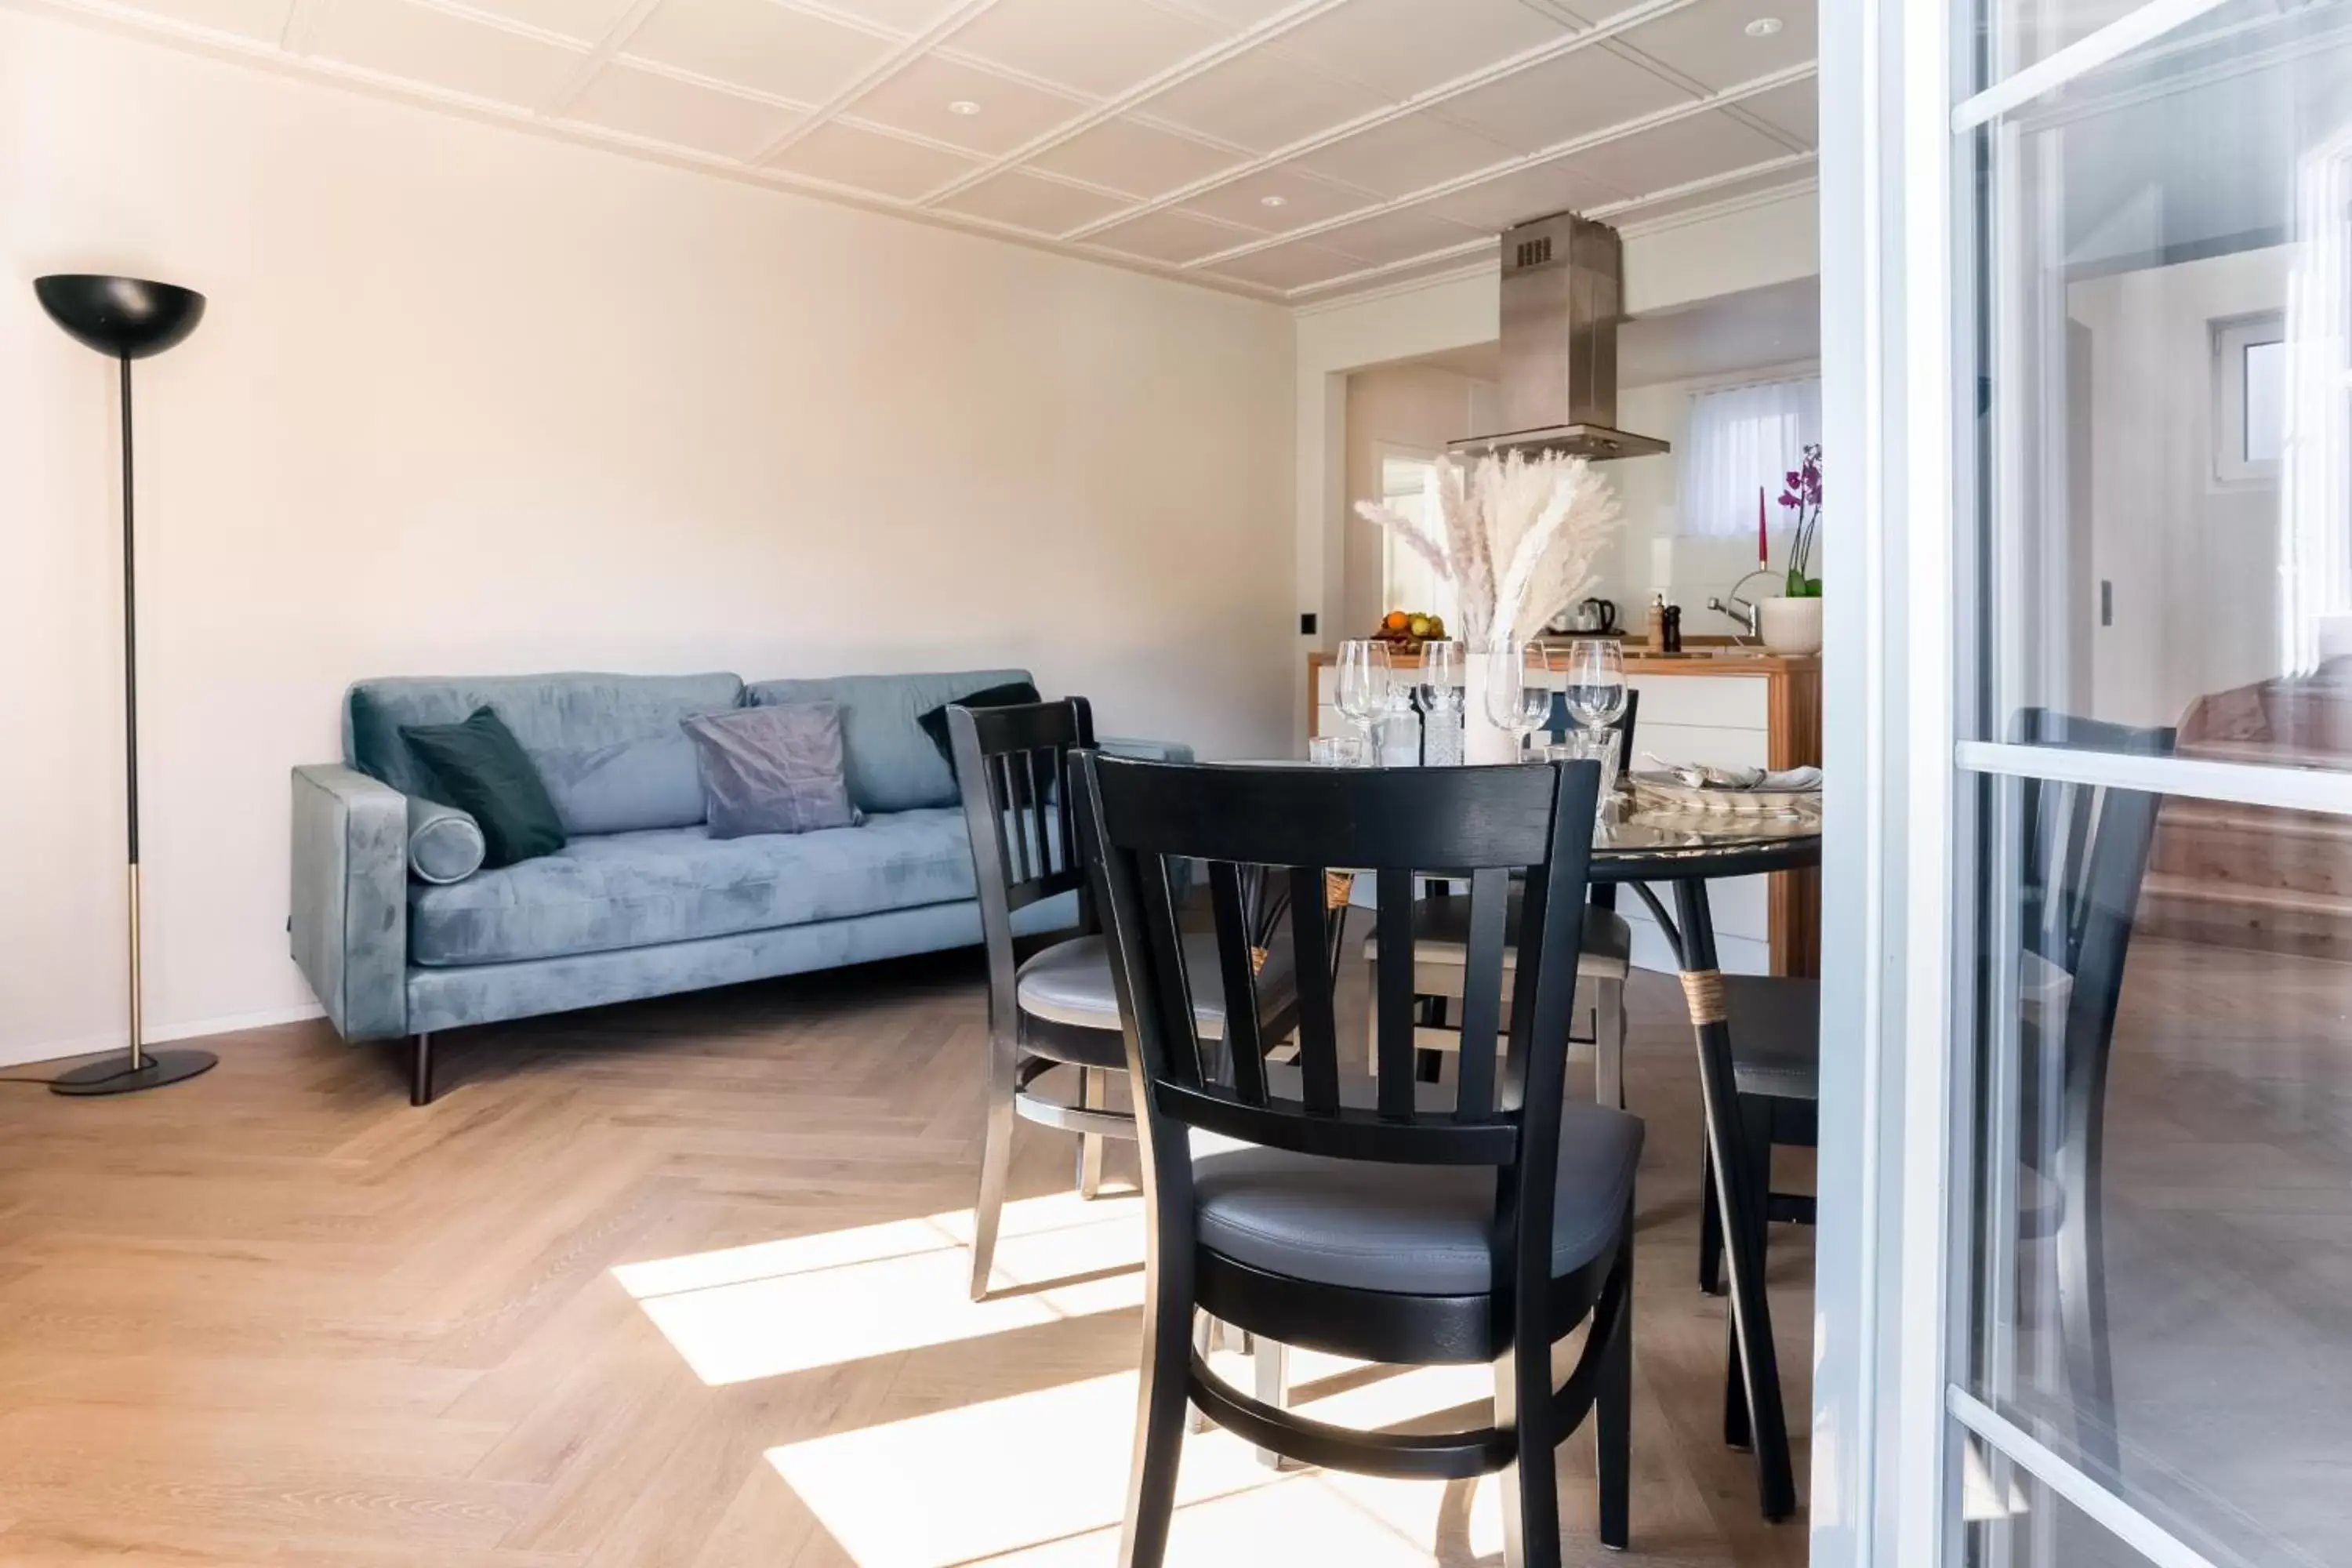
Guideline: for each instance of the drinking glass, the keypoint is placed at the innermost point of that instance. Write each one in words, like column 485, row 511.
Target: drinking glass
column 1595, row 686
column 1441, row 702
column 1335, row 751
column 1518, row 699
column 1363, row 693
column 1598, row 745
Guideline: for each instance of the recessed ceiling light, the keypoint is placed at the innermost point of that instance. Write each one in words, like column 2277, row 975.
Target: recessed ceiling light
column 966, row 106
column 1274, row 201
column 1763, row 26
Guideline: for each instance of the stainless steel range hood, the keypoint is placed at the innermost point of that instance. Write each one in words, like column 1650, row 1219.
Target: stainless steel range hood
column 1560, row 307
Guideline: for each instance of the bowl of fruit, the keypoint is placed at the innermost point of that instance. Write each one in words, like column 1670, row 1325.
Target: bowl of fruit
column 1406, row 630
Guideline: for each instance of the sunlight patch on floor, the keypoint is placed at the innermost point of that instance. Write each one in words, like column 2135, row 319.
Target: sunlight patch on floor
column 1039, row 1480
column 779, row 1306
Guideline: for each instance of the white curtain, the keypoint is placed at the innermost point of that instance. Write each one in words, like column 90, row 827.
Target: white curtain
column 1742, row 439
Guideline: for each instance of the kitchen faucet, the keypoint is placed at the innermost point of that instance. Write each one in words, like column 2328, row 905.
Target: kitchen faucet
column 1744, row 611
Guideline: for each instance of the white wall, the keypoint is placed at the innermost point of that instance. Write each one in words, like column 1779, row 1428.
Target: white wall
column 2195, row 563
column 466, row 400
column 1419, row 408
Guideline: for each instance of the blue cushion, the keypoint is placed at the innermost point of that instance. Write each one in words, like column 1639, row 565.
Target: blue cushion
column 893, row 766
column 445, row 845
column 635, row 889
column 607, row 747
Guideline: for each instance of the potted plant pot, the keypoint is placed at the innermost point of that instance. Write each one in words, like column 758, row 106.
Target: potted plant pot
column 1791, row 626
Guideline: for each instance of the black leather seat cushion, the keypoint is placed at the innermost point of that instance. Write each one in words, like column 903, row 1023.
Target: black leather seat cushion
column 1776, row 1035
column 1417, row 1230
column 1070, row 983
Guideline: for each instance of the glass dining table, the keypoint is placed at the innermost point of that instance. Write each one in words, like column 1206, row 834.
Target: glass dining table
column 1670, row 856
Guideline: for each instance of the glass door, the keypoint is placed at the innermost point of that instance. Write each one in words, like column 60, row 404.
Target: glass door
column 2146, row 1297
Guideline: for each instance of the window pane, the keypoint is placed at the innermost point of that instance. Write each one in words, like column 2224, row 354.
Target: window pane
column 2015, row 1521
column 2160, row 1245
column 2264, row 369
column 2124, row 218
column 2026, row 31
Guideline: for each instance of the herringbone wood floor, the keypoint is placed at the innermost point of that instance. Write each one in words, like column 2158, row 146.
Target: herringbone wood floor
column 276, row 1316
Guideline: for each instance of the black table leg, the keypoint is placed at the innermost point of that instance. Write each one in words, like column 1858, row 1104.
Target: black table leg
column 1741, row 1205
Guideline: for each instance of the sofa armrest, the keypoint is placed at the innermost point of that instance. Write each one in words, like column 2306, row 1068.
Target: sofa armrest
column 1147, row 751
column 350, row 924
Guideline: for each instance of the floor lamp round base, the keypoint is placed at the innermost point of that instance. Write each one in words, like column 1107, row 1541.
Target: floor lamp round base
column 115, row 1076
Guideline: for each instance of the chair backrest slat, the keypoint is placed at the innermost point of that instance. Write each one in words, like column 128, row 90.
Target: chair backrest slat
column 1393, row 1019
column 1237, row 969
column 1318, row 1031
column 1482, row 995
column 1287, row 826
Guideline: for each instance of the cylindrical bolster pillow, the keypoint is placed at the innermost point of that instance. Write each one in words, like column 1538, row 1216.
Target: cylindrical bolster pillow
column 445, row 845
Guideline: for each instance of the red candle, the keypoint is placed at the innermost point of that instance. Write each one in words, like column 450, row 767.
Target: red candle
column 1763, row 540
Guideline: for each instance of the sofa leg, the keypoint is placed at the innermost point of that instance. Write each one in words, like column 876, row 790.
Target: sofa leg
column 420, row 1069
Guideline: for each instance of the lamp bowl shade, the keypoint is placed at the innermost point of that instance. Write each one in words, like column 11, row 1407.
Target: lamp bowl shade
column 129, row 317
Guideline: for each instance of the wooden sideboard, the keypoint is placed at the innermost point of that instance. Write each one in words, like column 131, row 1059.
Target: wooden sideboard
column 1734, row 709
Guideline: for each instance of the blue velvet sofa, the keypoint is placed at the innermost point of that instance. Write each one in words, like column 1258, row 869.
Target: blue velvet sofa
column 642, row 901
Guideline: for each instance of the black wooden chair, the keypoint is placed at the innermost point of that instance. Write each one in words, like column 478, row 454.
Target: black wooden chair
column 1604, row 954
column 1395, row 1231
column 1051, row 1002
column 2083, row 852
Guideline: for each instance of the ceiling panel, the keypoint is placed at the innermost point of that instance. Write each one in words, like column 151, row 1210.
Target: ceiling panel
column 1403, row 47
column 264, row 19
column 1710, row 43
column 1278, row 200
column 1162, row 128
column 1171, row 235
column 758, row 44
column 1710, row 142
column 1297, row 264
column 1562, row 98
column 1524, row 194
column 1003, row 114
column 899, row 15
column 641, row 104
column 585, row 20
column 1034, row 202
column 1262, row 101
column 1397, row 237
column 1405, row 155
column 439, row 49
column 1101, row 47
column 1794, row 111
column 1141, row 160
column 870, row 161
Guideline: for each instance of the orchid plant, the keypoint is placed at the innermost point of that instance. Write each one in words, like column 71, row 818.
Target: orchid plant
column 1515, row 537
column 1803, row 495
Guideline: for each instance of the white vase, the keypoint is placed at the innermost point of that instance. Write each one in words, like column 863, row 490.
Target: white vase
column 1791, row 626
column 1482, row 741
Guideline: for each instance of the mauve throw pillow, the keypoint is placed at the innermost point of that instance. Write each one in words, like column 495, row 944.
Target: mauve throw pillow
column 772, row 770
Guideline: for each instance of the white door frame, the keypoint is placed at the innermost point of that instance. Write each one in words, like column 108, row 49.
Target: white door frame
column 1896, row 874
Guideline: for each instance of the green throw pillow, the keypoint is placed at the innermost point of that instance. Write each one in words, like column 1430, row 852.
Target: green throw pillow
column 483, row 769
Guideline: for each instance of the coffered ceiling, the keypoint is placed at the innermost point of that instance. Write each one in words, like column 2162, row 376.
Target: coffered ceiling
column 1293, row 149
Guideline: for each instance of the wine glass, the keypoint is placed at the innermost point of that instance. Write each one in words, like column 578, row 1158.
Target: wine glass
column 1595, row 690
column 1518, row 698
column 1363, row 694
column 1596, row 682
column 1441, row 701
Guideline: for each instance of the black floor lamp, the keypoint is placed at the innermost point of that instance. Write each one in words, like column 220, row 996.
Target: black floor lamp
column 130, row 318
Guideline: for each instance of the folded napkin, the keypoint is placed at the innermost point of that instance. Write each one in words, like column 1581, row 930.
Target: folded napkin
column 1703, row 776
